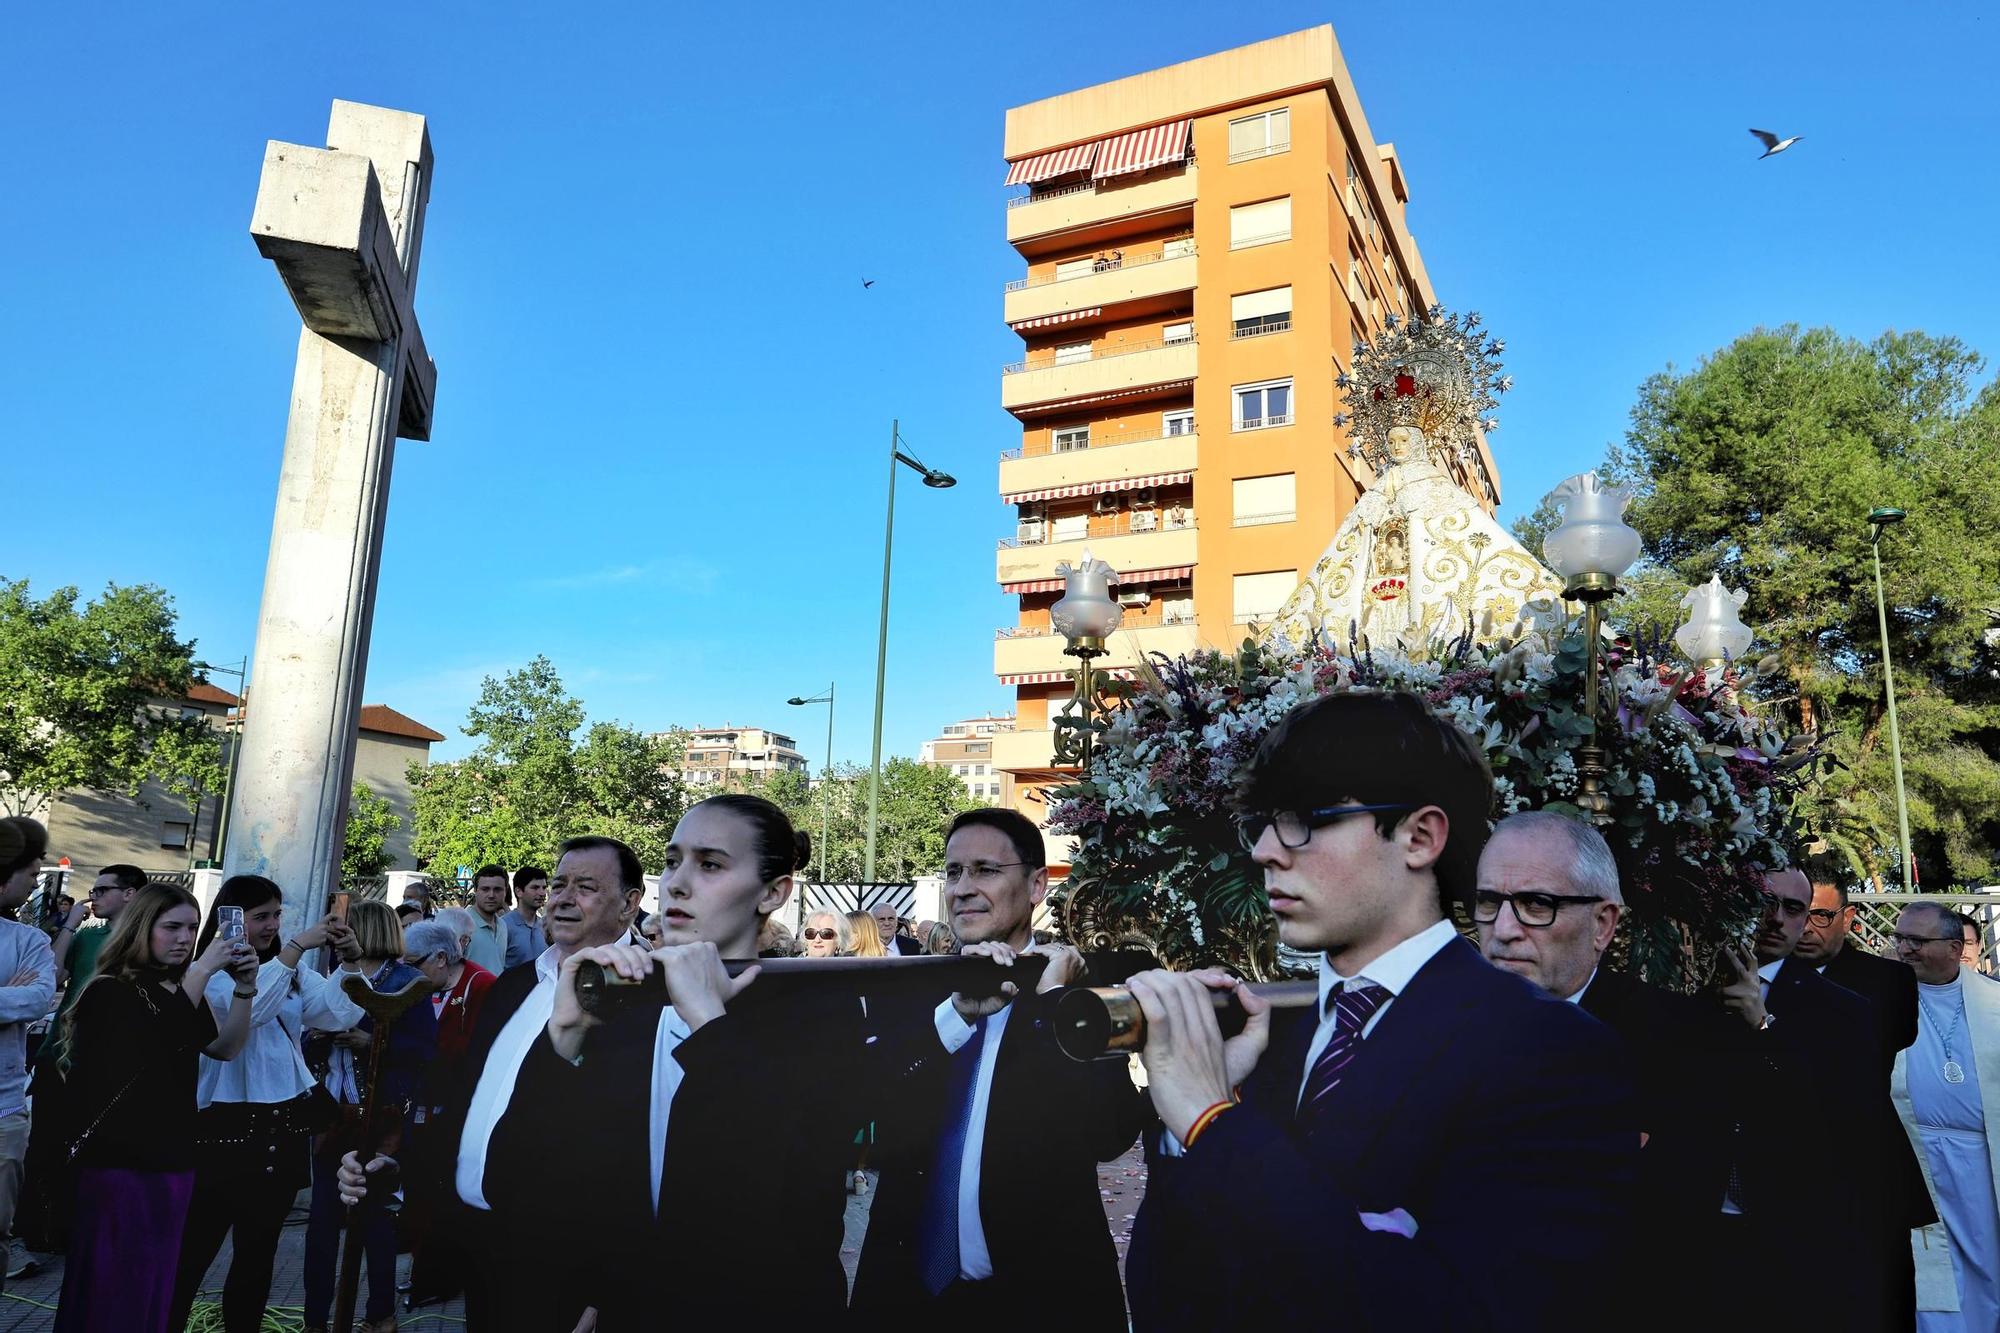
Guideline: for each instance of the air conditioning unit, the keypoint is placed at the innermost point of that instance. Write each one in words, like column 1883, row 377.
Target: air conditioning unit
column 1142, row 497
column 1141, row 600
column 1031, row 533
column 1145, row 520
column 1107, row 503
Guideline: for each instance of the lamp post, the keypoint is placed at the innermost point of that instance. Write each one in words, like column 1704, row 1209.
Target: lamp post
column 937, row 481
column 825, row 797
column 1591, row 550
column 1715, row 634
column 1086, row 616
column 219, row 842
column 1879, row 519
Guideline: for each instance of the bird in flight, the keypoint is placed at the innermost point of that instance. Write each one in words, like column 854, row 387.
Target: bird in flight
column 867, row 282
column 1773, row 144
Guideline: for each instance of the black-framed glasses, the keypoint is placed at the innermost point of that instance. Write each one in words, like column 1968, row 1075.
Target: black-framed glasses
column 1919, row 941
column 1531, row 907
column 1790, row 907
column 1824, row 916
column 979, row 872
column 812, row 934
column 1295, row 827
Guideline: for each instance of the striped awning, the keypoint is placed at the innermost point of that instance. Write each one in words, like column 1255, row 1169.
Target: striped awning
column 1169, row 574
column 1052, row 677
column 1098, row 487
column 1067, row 317
column 1065, row 404
column 1142, row 150
column 1048, row 166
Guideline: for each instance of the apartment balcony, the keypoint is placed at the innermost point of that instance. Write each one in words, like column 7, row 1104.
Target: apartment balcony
column 1093, row 204
column 1162, row 549
column 1131, row 276
column 1117, row 370
column 1113, row 460
column 1028, row 651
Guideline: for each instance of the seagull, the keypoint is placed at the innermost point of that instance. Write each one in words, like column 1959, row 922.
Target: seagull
column 1773, row 145
column 867, row 282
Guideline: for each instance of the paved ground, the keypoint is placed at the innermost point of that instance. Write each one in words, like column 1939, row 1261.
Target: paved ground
column 29, row 1303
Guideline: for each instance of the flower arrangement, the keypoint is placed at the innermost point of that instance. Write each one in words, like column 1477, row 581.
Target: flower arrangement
column 1701, row 787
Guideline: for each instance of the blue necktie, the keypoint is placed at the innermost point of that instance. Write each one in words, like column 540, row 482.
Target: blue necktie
column 937, row 1241
column 1351, row 1011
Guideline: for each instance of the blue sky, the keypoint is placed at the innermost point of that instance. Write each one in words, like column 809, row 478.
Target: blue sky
column 663, row 395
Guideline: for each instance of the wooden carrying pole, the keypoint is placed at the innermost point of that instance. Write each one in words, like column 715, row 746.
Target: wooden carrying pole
column 384, row 1010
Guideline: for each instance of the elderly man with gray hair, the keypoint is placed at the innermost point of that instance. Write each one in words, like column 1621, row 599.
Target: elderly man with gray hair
column 1547, row 902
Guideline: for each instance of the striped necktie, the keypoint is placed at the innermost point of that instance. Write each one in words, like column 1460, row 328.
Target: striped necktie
column 1351, row 1012
column 937, row 1234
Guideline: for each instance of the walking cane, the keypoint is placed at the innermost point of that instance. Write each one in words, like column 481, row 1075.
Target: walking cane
column 384, row 1009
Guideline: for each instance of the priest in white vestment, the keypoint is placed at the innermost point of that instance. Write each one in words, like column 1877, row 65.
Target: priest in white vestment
column 1947, row 1087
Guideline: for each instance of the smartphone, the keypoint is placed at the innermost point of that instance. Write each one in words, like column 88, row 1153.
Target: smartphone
column 231, row 919
column 340, row 901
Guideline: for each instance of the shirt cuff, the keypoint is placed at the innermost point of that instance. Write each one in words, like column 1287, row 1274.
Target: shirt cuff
column 1171, row 1146
column 952, row 1029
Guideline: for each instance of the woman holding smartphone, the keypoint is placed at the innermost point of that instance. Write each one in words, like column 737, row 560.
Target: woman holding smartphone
column 132, row 1040
column 258, row 1115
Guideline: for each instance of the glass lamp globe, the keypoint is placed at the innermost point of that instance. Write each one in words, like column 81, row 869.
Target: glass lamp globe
column 1594, row 545
column 1714, row 631
column 1087, row 613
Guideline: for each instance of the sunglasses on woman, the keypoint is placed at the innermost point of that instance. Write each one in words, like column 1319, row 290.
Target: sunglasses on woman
column 821, row 934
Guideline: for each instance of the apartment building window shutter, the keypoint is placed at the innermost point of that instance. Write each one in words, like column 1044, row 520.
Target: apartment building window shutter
column 1143, row 150
column 1259, row 305
column 1047, row 166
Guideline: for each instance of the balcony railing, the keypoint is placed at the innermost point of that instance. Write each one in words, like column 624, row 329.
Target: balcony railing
column 1121, row 349
column 1266, row 238
column 1268, row 150
column 1265, row 423
column 1121, row 528
column 1117, row 259
column 1259, row 520
column 1043, row 448
column 1258, row 330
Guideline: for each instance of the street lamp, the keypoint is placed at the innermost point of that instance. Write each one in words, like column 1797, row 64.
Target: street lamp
column 1086, row 616
column 1879, row 519
column 219, row 843
column 1714, row 634
column 825, row 797
column 1591, row 549
column 936, row 480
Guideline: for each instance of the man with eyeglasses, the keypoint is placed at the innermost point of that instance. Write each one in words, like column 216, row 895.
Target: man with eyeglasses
column 1943, row 1085
column 1438, row 1144
column 1890, row 987
column 988, row 1204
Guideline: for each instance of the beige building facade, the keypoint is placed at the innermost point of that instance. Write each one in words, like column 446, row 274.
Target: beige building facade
column 729, row 758
column 965, row 749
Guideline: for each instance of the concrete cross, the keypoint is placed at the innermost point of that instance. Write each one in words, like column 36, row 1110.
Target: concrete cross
column 344, row 224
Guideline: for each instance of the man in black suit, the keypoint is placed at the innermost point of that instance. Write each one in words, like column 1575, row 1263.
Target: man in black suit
column 1891, row 987
column 988, row 1206
column 487, row 1150
column 1439, row 1145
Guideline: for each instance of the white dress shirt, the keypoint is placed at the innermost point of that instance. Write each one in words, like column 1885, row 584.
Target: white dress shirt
column 974, row 1262
column 270, row 1067
column 1392, row 972
column 1578, row 997
column 667, row 1075
column 496, row 1081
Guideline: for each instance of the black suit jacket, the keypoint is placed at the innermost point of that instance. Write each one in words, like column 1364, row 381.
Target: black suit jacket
column 1503, row 1121
column 1891, row 988
column 1049, row 1122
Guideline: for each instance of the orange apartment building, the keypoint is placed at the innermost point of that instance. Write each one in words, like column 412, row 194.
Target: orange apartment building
column 1203, row 246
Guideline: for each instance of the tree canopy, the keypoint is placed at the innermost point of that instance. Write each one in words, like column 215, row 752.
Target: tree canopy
column 917, row 803
column 1761, row 465
column 365, row 840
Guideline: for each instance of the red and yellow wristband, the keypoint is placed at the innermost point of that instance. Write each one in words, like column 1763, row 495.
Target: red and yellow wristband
column 1205, row 1119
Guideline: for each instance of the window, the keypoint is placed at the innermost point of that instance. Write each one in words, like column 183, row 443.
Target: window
column 1178, row 248
column 1357, row 284
column 1072, row 352
column 980, row 769
column 1073, row 529
column 1068, row 439
column 175, row 834
column 1177, row 610
column 1260, row 500
column 961, row 769
column 1177, row 423
column 1268, row 311
column 1260, row 224
column 1179, row 332
column 1074, row 268
column 1260, row 135
column 1261, row 405
column 1262, row 596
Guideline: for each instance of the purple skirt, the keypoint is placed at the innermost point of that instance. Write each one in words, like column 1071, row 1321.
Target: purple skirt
column 124, row 1250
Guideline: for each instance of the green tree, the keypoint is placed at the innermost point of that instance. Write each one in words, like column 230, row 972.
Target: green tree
column 533, row 783
column 1761, row 465
column 75, row 682
column 918, row 802
column 365, row 840
column 184, row 756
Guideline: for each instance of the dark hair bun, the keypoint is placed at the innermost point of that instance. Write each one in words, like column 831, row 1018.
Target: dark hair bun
column 803, row 849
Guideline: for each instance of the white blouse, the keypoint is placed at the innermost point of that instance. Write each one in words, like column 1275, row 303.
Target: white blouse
column 270, row 1067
